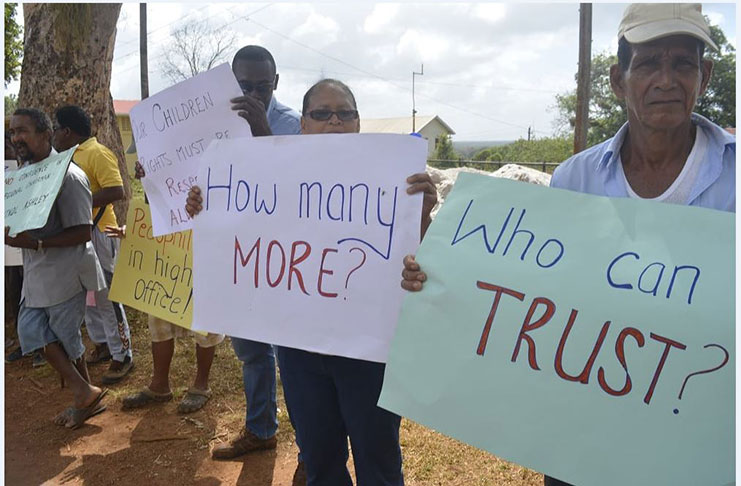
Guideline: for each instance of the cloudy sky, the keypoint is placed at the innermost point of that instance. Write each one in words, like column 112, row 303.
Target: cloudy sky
column 490, row 70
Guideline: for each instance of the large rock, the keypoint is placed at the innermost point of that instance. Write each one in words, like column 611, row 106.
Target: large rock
column 444, row 179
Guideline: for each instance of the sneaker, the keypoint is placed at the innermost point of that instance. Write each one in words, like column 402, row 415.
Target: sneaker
column 117, row 371
column 244, row 443
column 299, row 475
column 38, row 360
column 14, row 356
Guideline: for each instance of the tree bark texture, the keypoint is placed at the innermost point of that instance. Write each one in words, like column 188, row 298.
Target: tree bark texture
column 67, row 60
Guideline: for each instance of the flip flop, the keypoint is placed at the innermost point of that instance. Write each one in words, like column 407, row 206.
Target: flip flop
column 194, row 400
column 143, row 398
column 80, row 415
column 63, row 417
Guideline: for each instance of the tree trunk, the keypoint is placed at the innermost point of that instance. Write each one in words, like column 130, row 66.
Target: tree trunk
column 67, row 60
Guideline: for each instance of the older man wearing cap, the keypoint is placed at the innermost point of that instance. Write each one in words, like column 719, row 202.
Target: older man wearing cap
column 664, row 152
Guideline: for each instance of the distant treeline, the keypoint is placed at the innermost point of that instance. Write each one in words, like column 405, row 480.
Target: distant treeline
column 555, row 149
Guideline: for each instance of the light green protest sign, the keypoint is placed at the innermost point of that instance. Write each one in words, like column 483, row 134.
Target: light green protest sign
column 588, row 338
column 31, row 190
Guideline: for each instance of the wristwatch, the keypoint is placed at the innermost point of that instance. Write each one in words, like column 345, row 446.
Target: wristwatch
column 40, row 245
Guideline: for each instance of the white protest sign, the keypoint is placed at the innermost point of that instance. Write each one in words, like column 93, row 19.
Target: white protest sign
column 172, row 130
column 30, row 191
column 13, row 256
column 301, row 240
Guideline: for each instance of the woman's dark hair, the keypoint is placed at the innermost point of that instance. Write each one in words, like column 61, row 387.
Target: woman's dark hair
column 325, row 82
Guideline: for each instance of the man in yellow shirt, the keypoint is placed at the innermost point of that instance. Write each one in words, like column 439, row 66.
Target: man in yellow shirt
column 105, row 321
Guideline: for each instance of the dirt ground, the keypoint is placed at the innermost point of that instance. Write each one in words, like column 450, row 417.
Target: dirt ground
column 157, row 446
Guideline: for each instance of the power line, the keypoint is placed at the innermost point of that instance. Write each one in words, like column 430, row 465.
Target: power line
column 182, row 17
column 246, row 17
column 374, row 75
column 338, row 60
column 164, row 52
column 463, row 85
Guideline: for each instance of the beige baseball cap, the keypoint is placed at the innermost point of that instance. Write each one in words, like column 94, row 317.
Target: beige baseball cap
column 644, row 22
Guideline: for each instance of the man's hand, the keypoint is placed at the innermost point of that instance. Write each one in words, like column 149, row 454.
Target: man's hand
column 423, row 183
column 412, row 276
column 138, row 170
column 21, row 240
column 115, row 231
column 194, row 201
column 252, row 110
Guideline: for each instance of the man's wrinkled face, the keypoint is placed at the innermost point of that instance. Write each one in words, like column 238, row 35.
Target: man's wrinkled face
column 30, row 145
column 257, row 79
column 663, row 81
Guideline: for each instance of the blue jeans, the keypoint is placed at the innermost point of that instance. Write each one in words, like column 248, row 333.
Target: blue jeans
column 40, row 326
column 258, row 373
column 331, row 398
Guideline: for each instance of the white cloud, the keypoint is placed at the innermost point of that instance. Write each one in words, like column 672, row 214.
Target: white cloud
column 426, row 46
column 505, row 62
column 380, row 17
column 716, row 18
column 490, row 12
column 323, row 30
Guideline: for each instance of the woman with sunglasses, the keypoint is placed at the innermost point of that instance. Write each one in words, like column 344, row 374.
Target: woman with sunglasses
column 331, row 398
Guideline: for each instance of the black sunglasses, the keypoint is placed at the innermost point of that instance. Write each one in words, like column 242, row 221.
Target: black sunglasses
column 262, row 88
column 324, row 115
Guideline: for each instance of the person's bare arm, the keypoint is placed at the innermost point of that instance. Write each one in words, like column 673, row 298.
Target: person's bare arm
column 423, row 183
column 108, row 195
column 72, row 236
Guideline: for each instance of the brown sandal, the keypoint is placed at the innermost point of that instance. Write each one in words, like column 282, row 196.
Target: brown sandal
column 143, row 398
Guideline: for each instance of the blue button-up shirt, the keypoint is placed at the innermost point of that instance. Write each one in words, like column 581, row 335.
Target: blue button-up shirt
column 282, row 119
column 596, row 171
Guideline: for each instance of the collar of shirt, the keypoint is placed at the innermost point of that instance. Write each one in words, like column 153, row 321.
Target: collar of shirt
column 282, row 119
column 87, row 143
column 710, row 166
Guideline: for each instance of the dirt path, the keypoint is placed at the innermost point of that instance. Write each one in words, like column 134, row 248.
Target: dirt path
column 157, row 446
column 154, row 447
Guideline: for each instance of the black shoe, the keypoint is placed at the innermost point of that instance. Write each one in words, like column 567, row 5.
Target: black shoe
column 14, row 356
column 38, row 360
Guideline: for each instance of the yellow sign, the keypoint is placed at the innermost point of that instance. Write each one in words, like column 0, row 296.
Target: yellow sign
column 154, row 274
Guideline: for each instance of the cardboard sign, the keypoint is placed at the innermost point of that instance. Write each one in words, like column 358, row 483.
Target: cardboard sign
column 588, row 338
column 172, row 130
column 30, row 191
column 13, row 256
column 154, row 274
column 301, row 239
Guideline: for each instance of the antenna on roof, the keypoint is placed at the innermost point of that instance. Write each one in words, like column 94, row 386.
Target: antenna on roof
column 414, row 107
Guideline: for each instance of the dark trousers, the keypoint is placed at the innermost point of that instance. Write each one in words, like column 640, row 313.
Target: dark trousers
column 331, row 398
column 549, row 481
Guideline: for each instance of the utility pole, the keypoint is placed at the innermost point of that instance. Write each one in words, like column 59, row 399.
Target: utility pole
column 414, row 106
column 583, row 77
column 529, row 133
column 143, row 50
